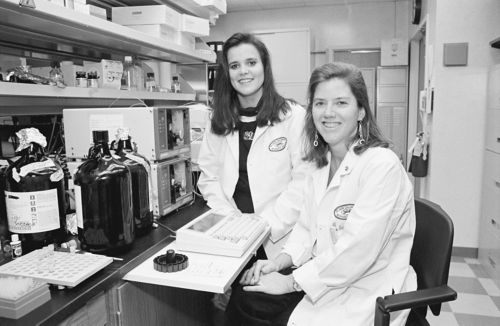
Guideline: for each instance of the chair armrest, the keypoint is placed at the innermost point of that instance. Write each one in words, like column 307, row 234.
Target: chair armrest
column 414, row 299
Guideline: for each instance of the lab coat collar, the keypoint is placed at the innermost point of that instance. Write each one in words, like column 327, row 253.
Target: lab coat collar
column 320, row 176
column 233, row 144
column 259, row 131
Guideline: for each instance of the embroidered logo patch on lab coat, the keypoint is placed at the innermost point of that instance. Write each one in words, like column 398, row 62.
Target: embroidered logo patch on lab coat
column 343, row 211
column 278, row 144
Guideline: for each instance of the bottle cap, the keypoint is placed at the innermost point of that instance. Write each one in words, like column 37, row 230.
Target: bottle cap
column 15, row 237
column 150, row 74
column 100, row 136
column 175, row 78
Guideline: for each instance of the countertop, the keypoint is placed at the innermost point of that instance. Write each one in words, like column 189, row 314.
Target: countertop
column 66, row 302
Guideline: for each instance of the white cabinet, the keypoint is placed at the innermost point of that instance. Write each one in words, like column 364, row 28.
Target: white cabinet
column 489, row 237
column 392, row 106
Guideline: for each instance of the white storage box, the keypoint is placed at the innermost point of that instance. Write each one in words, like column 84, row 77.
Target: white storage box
column 167, row 33
column 69, row 70
column 194, row 25
column 90, row 10
column 217, row 6
column 146, row 15
column 109, row 72
column 28, row 299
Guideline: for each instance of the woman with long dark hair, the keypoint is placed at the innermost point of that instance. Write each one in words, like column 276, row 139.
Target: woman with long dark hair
column 250, row 157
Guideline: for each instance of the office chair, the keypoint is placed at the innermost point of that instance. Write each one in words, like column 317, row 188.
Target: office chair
column 430, row 258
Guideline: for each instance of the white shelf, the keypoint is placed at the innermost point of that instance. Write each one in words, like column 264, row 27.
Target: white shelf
column 32, row 90
column 55, row 29
column 25, row 99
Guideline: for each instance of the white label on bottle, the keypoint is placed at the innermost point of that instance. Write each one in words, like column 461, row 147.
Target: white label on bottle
column 32, row 212
column 146, row 165
column 36, row 166
column 78, row 207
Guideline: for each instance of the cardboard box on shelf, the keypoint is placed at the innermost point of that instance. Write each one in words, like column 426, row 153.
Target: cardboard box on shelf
column 194, row 25
column 217, row 6
column 167, row 33
column 69, row 70
column 146, row 15
column 109, row 72
column 90, row 10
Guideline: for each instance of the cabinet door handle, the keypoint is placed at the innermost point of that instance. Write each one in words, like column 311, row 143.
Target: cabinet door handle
column 497, row 184
column 492, row 262
column 498, row 139
column 493, row 222
column 118, row 319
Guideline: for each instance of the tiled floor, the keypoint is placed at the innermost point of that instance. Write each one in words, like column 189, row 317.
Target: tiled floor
column 478, row 302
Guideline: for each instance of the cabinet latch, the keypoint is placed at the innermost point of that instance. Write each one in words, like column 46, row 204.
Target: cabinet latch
column 27, row 3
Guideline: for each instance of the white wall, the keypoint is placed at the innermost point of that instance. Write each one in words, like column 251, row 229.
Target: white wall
column 332, row 26
column 456, row 153
column 458, row 120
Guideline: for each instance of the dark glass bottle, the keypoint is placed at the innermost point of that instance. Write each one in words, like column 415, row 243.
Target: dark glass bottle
column 141, row 182
column 103, row 198
column 35, row 194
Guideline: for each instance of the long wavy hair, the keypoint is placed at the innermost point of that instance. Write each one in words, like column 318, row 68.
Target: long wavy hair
column 371, row 132
column 225, row 116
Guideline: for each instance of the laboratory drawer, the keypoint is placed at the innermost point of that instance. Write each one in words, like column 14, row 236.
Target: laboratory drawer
column 493, row 130
column 494, row 87
column 491, row 175
column 392, row 94
column 394, row 76
column 490, row 214
column 489, row 255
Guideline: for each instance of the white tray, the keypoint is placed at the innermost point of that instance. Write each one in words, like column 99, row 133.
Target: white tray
column 68, row 269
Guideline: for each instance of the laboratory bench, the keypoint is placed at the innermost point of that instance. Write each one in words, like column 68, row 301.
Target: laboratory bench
column 106, row 299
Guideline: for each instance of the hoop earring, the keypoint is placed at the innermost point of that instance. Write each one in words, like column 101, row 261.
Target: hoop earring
column 360, row 133
column 315, row 142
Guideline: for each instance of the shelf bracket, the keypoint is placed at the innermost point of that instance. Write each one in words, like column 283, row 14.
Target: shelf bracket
column 27, row 3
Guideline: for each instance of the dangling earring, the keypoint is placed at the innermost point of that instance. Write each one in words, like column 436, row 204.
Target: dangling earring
column 315, row 142
column 360, row 133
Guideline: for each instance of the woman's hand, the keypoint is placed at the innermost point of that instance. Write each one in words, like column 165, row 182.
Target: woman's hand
column 252, row 275
column 272, row 283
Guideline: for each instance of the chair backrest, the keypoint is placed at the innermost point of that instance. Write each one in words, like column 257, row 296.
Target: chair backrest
column 432, row 245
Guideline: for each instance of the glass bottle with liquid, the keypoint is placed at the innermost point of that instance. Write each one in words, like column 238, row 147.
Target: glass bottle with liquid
column 103, row 200
column 176, row 85
column 150, row 82
column 133, row 75
column 35, row 194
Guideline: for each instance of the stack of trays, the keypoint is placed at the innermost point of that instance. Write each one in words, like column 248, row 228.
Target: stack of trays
column 30, row 294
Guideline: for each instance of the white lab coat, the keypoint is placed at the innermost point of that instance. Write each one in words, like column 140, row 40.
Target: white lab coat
column 275, row 173
column 353, row 240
